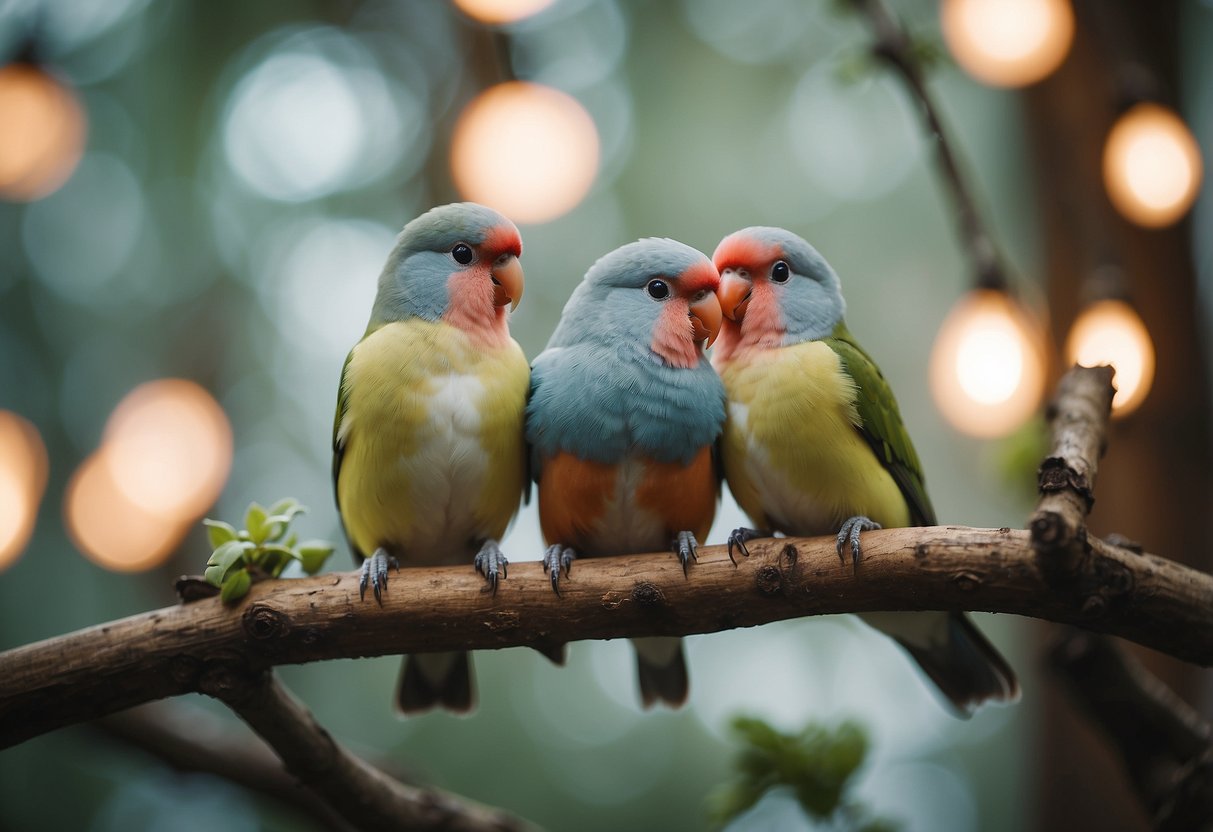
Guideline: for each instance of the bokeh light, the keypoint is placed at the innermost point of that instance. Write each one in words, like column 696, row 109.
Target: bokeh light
column 501, row 11
column 1151, row 166
column 110, row 529
column 1111, row 332
column 1008, row 43
column 987, row 366
column 527, row 150
column 168, row 446
column 42, row 132
column 317, row 116
column 22, row 482
column 856, row 142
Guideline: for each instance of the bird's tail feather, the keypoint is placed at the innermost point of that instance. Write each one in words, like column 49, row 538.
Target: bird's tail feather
column 962, row 663
column 436, row 679
column 661, row 670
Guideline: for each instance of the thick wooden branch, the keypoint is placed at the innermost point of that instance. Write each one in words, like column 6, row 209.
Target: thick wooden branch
column 197, row 646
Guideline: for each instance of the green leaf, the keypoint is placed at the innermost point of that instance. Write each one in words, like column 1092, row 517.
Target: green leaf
column 236, row 586
column 223, row 559
column 313, row 554
column 219, row 532
column 254, row 521
column 287, row 505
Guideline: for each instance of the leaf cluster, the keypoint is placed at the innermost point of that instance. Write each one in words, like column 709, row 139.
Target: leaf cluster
column 262, row 549
column 816, row 765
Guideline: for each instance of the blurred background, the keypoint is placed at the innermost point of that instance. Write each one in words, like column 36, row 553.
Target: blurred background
column 196, row 199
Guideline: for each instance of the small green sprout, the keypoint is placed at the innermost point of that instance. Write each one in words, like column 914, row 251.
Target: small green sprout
column 260, row 550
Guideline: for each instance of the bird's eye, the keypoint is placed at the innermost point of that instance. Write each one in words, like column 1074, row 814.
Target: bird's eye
column 780, row 272
column 462, row 253
column 658, row 289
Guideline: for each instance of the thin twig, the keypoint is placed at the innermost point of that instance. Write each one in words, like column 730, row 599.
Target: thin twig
column 892, row 45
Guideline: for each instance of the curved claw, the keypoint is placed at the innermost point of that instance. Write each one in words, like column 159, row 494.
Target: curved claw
column 849, row 534
column 738, row 538
column 555, row 558
column 491, row 562
column 374, row 571
column 686, row 547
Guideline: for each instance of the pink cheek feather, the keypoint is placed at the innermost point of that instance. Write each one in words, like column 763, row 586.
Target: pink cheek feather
column 673, row 336
column 470, row 308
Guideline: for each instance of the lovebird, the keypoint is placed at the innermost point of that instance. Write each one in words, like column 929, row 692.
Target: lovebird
column 623, row 418
column 429, row 459
column 814, row 442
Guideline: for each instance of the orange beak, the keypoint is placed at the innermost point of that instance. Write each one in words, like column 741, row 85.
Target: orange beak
column 507, row 281
column 705, row 318
column 734, row 293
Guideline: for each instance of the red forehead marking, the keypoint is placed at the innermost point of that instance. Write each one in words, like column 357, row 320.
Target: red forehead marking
column 745, row 251
column 702, row 275
column 503, row 239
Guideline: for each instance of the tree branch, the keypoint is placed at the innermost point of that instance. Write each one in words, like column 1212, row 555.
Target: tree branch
column 360, row 792
column 892, row 44
column 1079, row 419
column 195, row 647
column 1166, row 747
column 192, row 739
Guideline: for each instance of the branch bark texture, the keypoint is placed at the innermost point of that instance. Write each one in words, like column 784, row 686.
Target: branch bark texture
column 201, row 646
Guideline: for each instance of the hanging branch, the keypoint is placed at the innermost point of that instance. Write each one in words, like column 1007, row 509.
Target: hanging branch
column 892, row 45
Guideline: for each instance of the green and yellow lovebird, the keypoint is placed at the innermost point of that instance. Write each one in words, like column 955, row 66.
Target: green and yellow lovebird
column 429, row 457
column 814, row 443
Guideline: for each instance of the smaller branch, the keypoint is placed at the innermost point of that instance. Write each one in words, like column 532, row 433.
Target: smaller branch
column 357, row 790
column 1078, row 417
column 192, row 739
column 892, row 45
column 1166, row 747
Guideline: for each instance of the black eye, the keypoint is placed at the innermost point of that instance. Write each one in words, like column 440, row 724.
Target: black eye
column 462, row 253
column 780, row 272
column 658, row 289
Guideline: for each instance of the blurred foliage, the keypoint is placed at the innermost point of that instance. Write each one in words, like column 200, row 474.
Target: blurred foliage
column 263, row 549
column 817, row 765
column 1019, row 457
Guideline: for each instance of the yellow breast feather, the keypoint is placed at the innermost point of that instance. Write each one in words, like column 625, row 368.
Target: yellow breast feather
column 792, row 455
column 433, row 438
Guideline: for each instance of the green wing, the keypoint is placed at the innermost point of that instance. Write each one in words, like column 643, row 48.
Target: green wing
column 339, row 450
column 881, row 425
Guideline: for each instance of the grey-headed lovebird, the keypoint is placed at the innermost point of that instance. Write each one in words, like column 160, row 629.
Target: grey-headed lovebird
column 814, row 442
column 623, row 419
column 429, row 460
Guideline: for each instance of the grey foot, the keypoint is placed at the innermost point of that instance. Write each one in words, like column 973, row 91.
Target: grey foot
column 490, row 561
column 738, row 539
column 686, row 547
column 374, row 572
column 555, row 558
column 849, row 533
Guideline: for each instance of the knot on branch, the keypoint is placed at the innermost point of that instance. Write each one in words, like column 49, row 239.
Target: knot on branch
column 1052, row 532
column 1056, row 475
column 768, row 580
column 966, row 581
column 648, row 594
column 263, row 623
